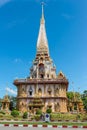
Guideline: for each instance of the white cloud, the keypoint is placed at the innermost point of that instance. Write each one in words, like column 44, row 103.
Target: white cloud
column 3, row 2
column 67, row 16
column 11, row 24
column 17, row 60
column 10, row 90
column 15, row 22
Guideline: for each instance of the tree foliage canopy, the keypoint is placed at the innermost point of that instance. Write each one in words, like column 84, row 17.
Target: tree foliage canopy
column 73, row 95
column 84, row 99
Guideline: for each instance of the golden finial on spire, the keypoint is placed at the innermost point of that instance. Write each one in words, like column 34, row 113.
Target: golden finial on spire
column 42, row 9
column 42, row 19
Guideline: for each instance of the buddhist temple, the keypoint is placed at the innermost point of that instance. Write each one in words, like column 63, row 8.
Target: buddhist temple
column 43, row 88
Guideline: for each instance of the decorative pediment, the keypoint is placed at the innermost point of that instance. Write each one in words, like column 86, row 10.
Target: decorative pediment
column 61, row 75
column 6, row 99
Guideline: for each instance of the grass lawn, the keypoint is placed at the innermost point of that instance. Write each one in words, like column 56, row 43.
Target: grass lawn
column 50, row 123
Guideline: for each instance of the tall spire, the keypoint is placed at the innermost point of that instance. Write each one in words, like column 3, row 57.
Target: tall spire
column 42, row 42
column 42, row 19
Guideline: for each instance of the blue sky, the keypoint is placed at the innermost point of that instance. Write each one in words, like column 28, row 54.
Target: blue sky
column 66, row 27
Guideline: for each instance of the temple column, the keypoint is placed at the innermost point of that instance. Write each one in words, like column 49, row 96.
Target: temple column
column 44, row 90
column 35, row 89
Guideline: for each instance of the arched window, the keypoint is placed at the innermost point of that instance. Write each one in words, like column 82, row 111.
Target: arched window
column 41, row 70
column 49, row 91
column 52, row 76
column 47, row 75
column 40, row 91
column 75, row 106
column 30, row 91
column 23, row 89
column 41, row 59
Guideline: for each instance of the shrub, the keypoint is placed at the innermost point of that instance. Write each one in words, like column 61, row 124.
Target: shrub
column 56, row 116
column 15, row 113
column 85, row 118
column 60, row 116
column 37, row 117
column 49, row 110
column 2, row 112
column 78, row 116
column 1, row 115
column 38, row 112
column 25, row 115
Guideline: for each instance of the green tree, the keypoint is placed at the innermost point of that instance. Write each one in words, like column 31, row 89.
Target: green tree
column 49, row 110
column 0, row 103
column 13, row 102
column 38, row 111
column 15, row 113
column 77, row 95
column 73, row 96
column 70, row 95
column 25, row 115
column 84, row 99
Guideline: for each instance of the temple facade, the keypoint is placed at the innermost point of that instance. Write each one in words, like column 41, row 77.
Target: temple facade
column 43, row 88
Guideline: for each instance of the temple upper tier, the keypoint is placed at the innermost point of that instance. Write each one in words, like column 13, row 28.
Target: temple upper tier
column 43, row 66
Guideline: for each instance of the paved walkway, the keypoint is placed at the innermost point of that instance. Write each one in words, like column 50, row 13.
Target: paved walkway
column 36, row 128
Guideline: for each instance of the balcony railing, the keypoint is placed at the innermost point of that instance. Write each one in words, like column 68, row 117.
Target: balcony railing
column 40, row 80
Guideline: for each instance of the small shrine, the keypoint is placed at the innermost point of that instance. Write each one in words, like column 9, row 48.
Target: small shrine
column 75, row 105
column 5, row 103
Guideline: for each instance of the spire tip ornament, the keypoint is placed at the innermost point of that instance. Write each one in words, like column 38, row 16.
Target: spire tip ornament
column 42, row 19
